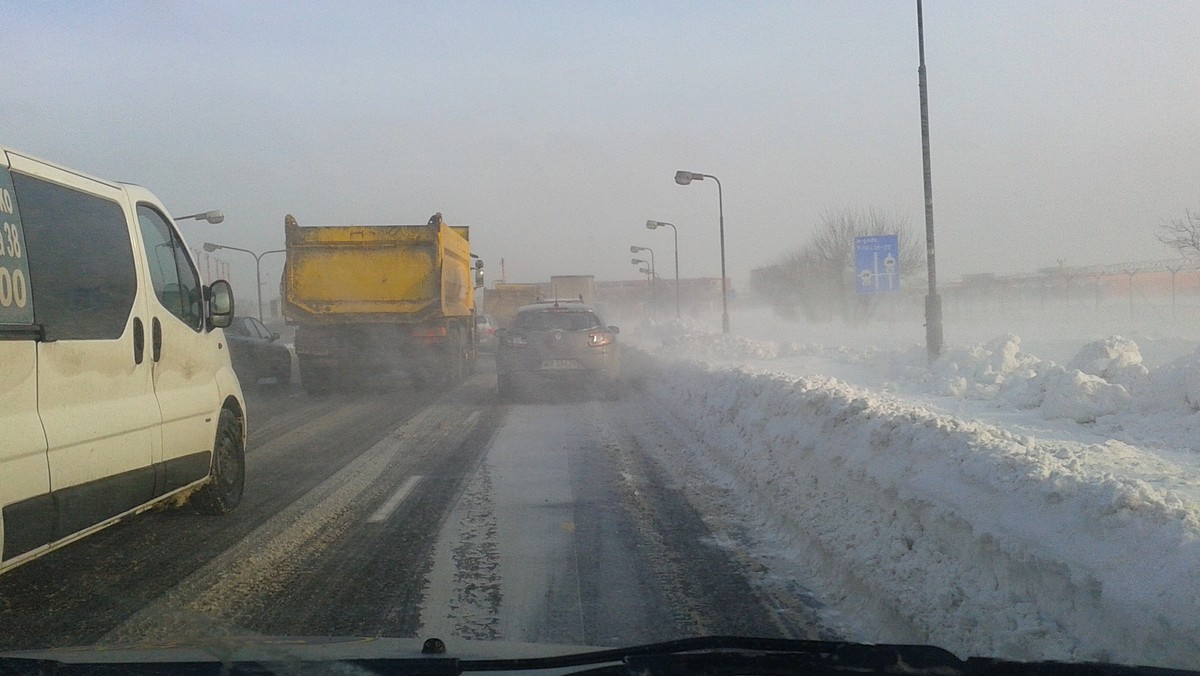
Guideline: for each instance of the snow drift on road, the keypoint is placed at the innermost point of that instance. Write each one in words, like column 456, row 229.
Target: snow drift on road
column 985, row 538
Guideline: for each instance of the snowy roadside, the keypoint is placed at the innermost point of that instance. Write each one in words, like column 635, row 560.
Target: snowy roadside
column 986, row 538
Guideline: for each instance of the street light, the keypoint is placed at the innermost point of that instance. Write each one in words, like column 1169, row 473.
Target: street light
column 213, row 217
column 653, row 275
column 639, row 249
column 684, row 178
column 651, row 225
column 649, row 278
column 210, row 247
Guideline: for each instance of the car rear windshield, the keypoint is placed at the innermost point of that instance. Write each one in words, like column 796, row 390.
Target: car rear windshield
column 551, row 320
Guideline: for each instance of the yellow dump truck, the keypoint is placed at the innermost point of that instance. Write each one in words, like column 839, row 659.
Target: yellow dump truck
column 395, row 299
column 501, row 302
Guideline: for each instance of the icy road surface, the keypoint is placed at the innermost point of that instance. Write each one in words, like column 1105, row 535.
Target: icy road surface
column 568, row 532
column 396, row 513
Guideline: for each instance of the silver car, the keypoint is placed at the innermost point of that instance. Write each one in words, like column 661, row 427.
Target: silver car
column 485, row 330
column 558, row 342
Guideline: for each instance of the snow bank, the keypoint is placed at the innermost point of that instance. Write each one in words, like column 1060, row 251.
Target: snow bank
column 1177, row 385
column 1105, row 382
column 985, row 541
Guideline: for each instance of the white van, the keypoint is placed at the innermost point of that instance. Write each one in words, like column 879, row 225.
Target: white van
column 116, row 389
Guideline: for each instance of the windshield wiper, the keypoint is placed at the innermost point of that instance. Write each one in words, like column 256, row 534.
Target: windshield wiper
column 702, row 655
column 744, row 655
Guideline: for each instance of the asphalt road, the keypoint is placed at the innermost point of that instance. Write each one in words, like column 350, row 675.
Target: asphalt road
column 397, row 513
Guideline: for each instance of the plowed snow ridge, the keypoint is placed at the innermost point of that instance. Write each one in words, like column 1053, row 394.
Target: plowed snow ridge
column 990, row 542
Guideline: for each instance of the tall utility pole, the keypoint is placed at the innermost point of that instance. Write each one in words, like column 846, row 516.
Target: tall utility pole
column 933, row 302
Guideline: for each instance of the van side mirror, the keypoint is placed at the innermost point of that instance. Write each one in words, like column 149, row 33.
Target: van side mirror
column 220, row 305
column 478, row 278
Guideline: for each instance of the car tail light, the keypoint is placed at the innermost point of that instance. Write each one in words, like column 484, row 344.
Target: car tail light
column 600, row 338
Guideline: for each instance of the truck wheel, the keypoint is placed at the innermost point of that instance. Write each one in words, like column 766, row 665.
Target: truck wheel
column 284, row 377
column 315, row 379
column 457, row 368
column 224, row 490
column 504, row 386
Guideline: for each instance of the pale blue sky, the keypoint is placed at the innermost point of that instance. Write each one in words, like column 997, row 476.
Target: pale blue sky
column 1060, row 129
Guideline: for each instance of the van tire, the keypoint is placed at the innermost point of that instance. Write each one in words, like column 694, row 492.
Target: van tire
column 227, row 480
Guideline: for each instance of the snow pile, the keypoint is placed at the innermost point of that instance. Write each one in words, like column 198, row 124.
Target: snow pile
column 1105, row 381
column 981, row 372
column 1177, row 385
column 1098, row 382
column 1079, row 396
column 985, row 541
column 1116, row 360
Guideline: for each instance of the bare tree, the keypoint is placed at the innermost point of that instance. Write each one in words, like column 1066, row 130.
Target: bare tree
column 819, row 275
column 834, row 240
column 1182, row 234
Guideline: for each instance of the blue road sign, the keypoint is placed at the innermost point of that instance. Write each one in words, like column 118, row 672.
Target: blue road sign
column 876, row 264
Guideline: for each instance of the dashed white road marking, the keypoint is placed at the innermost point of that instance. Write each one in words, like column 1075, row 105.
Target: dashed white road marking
column 393, row 502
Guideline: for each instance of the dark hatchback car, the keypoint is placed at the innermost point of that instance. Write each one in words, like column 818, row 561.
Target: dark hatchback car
column 257, row 353
column 558, row 342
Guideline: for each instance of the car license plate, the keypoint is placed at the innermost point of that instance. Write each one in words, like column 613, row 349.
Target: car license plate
column 559, row 364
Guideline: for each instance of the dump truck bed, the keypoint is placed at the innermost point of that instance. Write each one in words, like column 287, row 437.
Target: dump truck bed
column 377, row 273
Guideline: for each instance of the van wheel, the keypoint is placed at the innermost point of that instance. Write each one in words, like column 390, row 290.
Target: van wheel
column 228, row 475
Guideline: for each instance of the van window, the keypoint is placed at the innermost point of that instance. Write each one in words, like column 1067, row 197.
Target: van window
column 16, row 306
column 81, row 273
column 176, row 282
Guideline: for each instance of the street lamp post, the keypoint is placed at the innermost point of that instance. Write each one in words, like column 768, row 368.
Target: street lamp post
column 653, row 274
column 639, row 261
column 210, row 247
column 645, row 271
column 658, row 224
column 213, row 217
column 639, row 249
column 684, row 178
column 933, row 302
